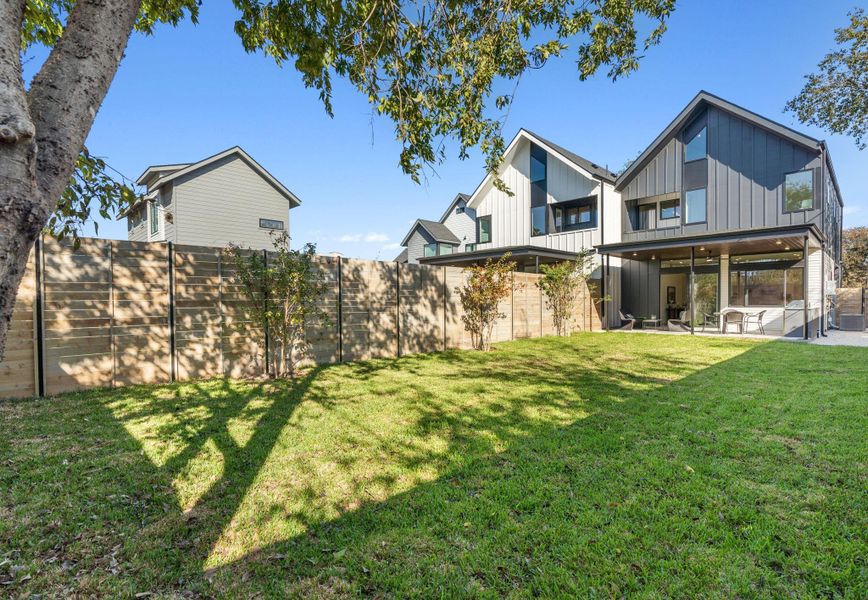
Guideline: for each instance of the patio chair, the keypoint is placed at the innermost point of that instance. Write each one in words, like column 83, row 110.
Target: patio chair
column 628, row 321
column 710, row 320
column 680, row 324
column 733, row 317
column 755, row 319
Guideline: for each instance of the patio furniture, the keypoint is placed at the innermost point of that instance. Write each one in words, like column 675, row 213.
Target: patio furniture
column 628, row 321
column 733, row 317
column 652, row 323
column 709, row 319
column 680, row 324
column 755, row 319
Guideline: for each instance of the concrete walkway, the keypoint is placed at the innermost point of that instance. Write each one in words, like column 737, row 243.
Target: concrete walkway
column 843, row 338
column 833, row 338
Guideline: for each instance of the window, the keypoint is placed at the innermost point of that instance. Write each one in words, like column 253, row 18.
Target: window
column 437, row 249
column 538, row 220
column 155, row 218
column 271, row 224
column 670, row 209
column 459, row 210
column 799, row 191
column 470, row 247
column 647, row 213
column 537, row 164
column 538, row 191
column 483, row 230
column 697, row 147
column 766, row 280
column 694, row 206
column 575, row 214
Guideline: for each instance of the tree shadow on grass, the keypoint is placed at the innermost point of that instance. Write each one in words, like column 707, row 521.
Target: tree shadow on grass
column 545, row 468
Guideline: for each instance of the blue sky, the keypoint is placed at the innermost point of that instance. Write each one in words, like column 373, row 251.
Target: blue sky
column 189, row 92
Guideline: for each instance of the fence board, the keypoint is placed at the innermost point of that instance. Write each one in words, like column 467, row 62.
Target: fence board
column 106, row 308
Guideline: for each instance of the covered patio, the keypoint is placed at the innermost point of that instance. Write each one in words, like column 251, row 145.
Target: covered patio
column 763, row 282
column 527, row 258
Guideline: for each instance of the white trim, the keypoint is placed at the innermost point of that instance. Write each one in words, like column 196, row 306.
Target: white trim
column 237, row 150
column 523, row 134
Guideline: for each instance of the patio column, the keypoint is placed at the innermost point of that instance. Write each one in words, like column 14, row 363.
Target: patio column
column 692, row 308
column 806, row 287
column 604, row 268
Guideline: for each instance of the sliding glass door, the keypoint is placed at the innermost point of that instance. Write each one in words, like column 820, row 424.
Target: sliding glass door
column 705, row 297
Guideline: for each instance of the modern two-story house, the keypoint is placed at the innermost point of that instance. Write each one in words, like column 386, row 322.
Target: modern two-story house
column 554, row 207
column 225, row 198
column 724, row 212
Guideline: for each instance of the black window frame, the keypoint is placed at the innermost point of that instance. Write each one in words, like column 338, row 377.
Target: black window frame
column 650, row 209
column 676, row 202
column 487, row 219
column 784, row 208
column 589, row 202
column 685, row 212
column 704, row 129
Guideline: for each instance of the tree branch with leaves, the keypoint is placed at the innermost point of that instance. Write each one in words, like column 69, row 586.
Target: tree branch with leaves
column 836, row 96
column 431, row 67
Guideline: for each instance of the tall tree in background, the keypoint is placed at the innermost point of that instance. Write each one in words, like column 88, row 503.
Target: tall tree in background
column 836, row 97
column 429, row 66
column 854, row 261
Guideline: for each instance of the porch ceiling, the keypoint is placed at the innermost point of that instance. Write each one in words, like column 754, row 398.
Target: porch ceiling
column 523, row 255
column 739, row 243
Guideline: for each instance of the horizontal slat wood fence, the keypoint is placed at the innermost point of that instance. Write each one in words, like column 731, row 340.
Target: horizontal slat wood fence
column 851, row 301
column 112, row 313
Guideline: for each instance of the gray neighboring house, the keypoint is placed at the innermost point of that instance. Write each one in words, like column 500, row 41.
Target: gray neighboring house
column 454, row 232
column 225, row 198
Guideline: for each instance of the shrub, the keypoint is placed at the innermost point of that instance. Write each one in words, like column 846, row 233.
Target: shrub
column 486, row 286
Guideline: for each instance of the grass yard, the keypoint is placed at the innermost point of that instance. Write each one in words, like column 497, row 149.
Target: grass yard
column 592, row 466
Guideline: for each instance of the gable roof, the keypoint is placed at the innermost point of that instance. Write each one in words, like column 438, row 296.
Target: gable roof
column 584, row 166
column 235, row 150
column 402, row 257
column 457, row 199
column 436, row 230
column 701, row 100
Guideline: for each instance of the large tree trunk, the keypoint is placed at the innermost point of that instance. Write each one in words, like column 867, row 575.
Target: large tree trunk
column 42, row 130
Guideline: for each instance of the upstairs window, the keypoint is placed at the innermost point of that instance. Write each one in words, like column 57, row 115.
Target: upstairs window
column 670, row 209
column 696, row 147
column 799, row 191
column 483, row 230
column 437, row 249
column 646, row 221
column 155, row 218
column 694, row 206
column 538, row 220
column 537, row 164
column 575, row 215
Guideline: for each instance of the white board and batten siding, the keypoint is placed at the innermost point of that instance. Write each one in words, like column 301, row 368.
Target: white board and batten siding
column 510, row 215
column 223, row 202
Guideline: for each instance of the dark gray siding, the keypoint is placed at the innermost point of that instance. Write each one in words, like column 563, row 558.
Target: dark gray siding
column 640, row 287
column 746, row 170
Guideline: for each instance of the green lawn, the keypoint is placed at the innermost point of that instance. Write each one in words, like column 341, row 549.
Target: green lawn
column 594, row 466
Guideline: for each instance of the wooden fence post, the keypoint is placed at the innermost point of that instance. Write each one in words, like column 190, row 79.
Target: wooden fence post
column 39, row 316
column 111, row 278
column 340, row 309
column 265, row 333
column 170, row 256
